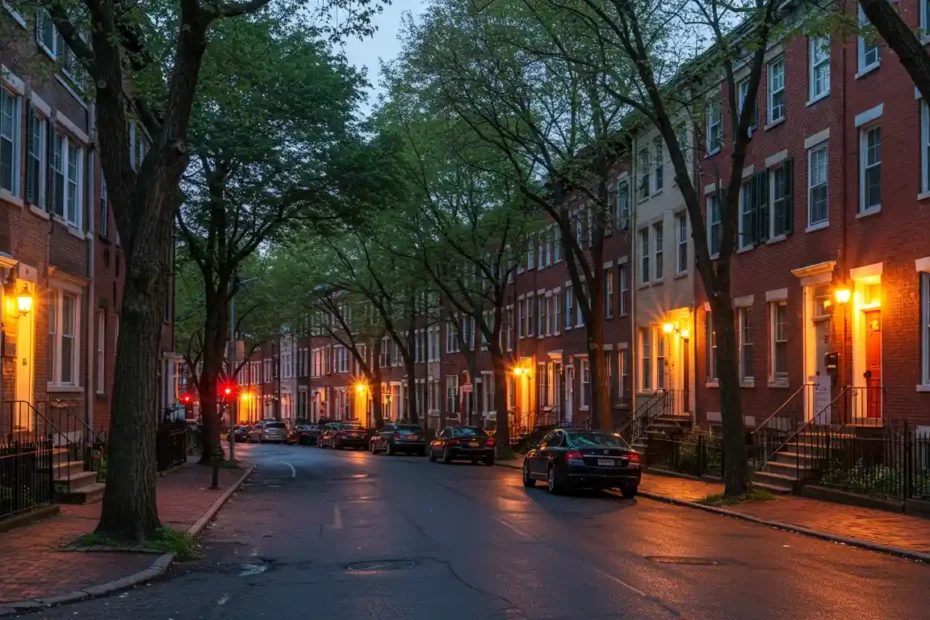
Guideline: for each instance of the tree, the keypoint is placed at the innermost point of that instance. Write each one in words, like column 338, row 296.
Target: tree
column 121, row 56
column 502, row 73
column 885, row 17
column 272, row 121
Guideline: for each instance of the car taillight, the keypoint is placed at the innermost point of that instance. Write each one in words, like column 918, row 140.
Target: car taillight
column 453, row 442
column 396, row 435
column 574, row 455
column 634, row 457
column 341, row 434
column 490, row 442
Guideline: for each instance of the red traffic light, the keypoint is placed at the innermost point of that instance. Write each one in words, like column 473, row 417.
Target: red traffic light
column 186, row 398
column 228, row 391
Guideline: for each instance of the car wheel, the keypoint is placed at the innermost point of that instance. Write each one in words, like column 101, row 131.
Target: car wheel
column 629, row 492
column 371, row 447
column 432, row 456
column 555, row 486
column 388, row 450
column 261, row 439
column 446, row 456
column 527, row 481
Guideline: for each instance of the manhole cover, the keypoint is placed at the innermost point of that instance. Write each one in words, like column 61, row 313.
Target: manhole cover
column 674, row 559
column 381, row 565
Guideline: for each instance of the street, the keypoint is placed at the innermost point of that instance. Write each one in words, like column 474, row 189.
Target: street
column 323, row 534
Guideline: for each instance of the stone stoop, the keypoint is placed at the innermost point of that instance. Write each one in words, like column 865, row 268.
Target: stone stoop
column 72, row 484
column 784, row 473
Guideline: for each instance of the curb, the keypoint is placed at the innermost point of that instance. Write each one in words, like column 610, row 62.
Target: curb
column 796, row 529
column 509, row 465
column 158, row 567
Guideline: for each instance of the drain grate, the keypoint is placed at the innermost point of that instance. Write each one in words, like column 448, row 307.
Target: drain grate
column 380, row 565
column 682, row 560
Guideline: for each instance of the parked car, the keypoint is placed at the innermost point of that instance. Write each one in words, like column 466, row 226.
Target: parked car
column 463, row 443
column 304, row 434
column 394, row 438
column 241, row 433
column 269, row 430
column 569, row 458
column 339, row 435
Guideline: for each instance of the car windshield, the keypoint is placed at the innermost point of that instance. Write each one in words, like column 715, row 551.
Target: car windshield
column 585, row 440
column 468, row 431
column 278, row 425
column 351, row 427
column 407, row 430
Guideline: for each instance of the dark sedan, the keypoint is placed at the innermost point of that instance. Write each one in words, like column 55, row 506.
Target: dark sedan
column 241, row 432
column 304, row 435
column 339, row 435
column 394, row 438
column 463, row 443
column 568, row 458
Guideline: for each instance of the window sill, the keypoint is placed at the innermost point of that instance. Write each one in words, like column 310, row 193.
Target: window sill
column 657, row 282
column 818, row 226
column 17, row 17
column 867, row 70
column 925, row 388
column 777, row 239
column 681, row 274
column 710, row 154
column 817, row 99
column 76, row 232
column 643, row 285
column 923, row 195
column 712, row 384
column 72, row 389
column 715, row 256
column 10, row 198
column 656, row 193
column 748, row 382
column 774, row 124
column 778, row 383
column 868, row 212
column 745, row 249
column 582, row 408
column 39, row 213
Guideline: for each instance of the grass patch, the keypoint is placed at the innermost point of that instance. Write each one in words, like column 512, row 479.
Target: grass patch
column 753, row 495
column 164, row 540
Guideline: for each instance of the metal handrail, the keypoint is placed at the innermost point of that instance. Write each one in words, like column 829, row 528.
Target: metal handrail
column 659, row 397
column 783, row 405
column 44, row 419
column 87, row 427
column 809, row 423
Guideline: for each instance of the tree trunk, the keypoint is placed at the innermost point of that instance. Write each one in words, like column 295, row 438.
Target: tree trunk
column 736, row 474
column 912, row 54
column 411, row 367
column 216, row 329
column 600, row 391
column 499, row 363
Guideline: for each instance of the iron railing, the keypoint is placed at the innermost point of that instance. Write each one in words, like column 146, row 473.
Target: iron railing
column 26, row 479
column 647, row 413
column 772, row 433
column 693, row 455
column 171, row 445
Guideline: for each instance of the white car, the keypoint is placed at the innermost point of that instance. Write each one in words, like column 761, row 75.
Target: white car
column 269, row 431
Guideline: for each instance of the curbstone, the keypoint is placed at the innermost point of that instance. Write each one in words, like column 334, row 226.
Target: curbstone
column 158, row 567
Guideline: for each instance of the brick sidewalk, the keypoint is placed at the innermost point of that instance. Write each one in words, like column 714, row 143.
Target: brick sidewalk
column 32, row 566
column 866, row 525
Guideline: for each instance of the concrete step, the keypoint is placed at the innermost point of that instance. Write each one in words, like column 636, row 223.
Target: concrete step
column 88, row 494
column 771, row 488
column 789, row 469
column 805, row 459
column 781, row 481
column 66, row 485
column 815, row 450
column 61, row 470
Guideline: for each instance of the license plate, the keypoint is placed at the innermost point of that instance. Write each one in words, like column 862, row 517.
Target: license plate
column 473, row 444
column 412, row 438
column 606, row 462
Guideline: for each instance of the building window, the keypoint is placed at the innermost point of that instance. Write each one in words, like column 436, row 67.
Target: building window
column 645, row 341
column 585, row 384
column 542, row 385
column 452, row 339
column 452, row 395
column 681, row 227
column 658, row 165
column 10, row 145
column 779, row 342
column 623, row 274
column 713, row 224
column 711, row 340
column 776, row 84
column 529, row 316
column 579, row 315
column 661, row 353
column 36, row 161
column 63, row 322
column 46, row 36
column 540, row 316
column 579, row 231
column 609, row 292
column 743, row 96
column 623, row 205
column 557, row 312
column 868, row 49
column 747, row 215
column 557, row 245
column 72, row 192
column 870, row 169
column 644, row 255
column 569, row 307
column 819, row 67
column 67, row 168
column 659, row 240
column 745, row 344
column 713, row 127
column 925, row 326
column 817, row 186
column 531, row 255
column 540, row 253
column 100, row 353
column 781, row 213
column 644, row 173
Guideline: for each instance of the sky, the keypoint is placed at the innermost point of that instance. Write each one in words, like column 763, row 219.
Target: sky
column 384, row 45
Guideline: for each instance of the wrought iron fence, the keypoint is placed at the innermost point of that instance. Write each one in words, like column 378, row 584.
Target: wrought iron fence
column 171, row 446
column 647, row 413
column 26, row 479
column 695, row 454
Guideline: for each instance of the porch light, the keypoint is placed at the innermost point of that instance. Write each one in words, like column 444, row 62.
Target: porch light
column 359, row 387
column 668, row 328
column 517, row 371
column 24, row 301
column 842, row 295
column 685, row 334
column 245, row 396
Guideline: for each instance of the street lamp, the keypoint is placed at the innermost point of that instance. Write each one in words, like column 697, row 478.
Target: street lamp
column 842, row 295
column 24, row 301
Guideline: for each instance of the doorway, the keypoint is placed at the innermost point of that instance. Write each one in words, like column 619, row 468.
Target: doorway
column 873, row 364
column 25, row 369
column 569, row 392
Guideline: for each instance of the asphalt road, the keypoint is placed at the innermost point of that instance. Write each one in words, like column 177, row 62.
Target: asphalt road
column 454, row 542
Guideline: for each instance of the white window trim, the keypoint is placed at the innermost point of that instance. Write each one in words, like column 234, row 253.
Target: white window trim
column 645, row 270
column 863, row 148
column 713, row 105
column 16, row 188
column 710, row 216
column 811, row 226
column 679, row 243
column 771, row 93
column 658, row 249
column 100, row 353
column 811, row 68
column 54, row 382
column 774, row 379
column 745, row 380
column 924, row 20
column 863, row 69
column 741, row 243
column 925, row 328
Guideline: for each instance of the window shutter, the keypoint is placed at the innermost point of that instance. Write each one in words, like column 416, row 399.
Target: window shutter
column 788, row 210
column 49, row 172
column 30, row 193
column 762, row 201
column 752, row 235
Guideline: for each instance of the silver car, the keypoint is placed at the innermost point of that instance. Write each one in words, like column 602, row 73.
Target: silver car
column 269, row 431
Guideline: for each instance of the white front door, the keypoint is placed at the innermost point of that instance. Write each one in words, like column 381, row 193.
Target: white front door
column 25, row 370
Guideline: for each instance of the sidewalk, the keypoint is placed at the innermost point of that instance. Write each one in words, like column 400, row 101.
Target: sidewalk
column 34, row 566
column 888, row 532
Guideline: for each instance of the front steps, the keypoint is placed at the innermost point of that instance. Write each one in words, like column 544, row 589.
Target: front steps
column 72, row 484
column 786, row 471
column 665, row 425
